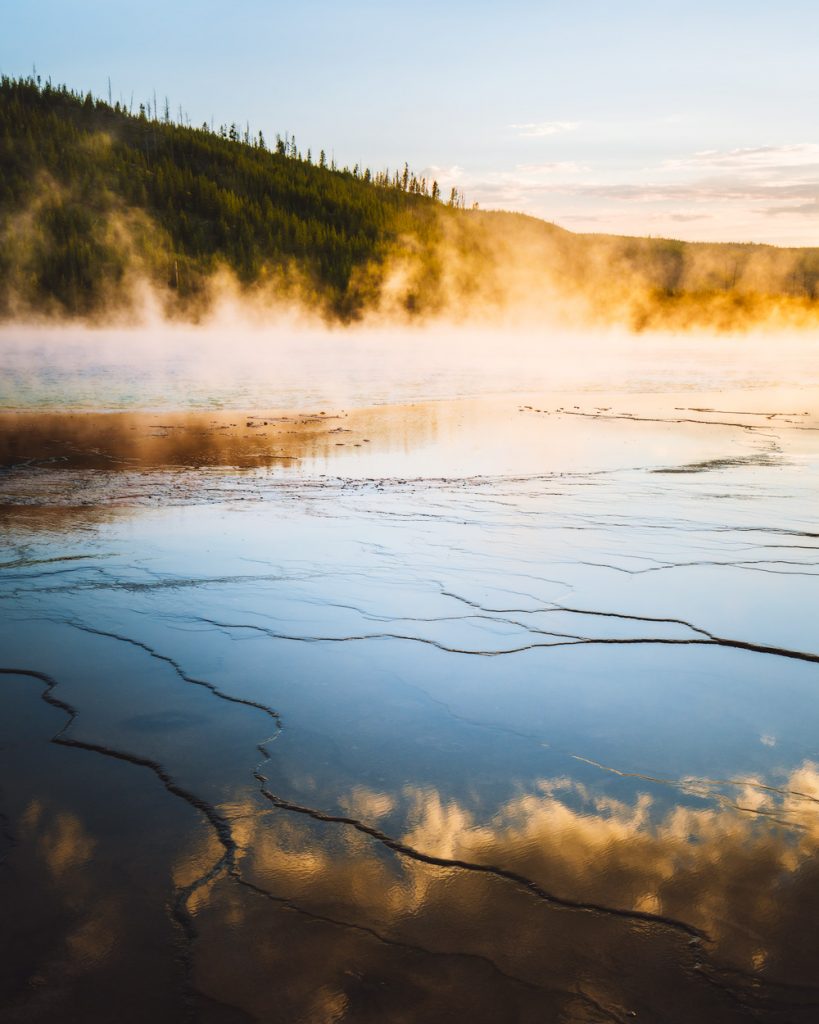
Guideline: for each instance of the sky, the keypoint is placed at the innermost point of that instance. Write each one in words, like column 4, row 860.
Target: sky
column 693, row 120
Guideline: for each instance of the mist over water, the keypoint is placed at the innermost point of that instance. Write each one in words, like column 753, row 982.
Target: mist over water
column 233, row 365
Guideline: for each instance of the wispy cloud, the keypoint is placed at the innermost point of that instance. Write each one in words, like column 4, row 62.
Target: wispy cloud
column 736, row 190
column 570, row 179
column 521, row 178
column 554, row 167
column 540, row 129
column 802, row 154
column 809, row 209
column 717, row 194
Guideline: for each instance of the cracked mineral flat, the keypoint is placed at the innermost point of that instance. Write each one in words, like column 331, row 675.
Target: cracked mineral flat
column 506, row 709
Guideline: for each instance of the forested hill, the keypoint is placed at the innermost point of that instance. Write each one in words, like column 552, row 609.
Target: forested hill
column 78, row 169
column 99, row 206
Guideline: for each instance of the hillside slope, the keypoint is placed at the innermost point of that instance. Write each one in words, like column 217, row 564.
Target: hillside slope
column 96, row 204
column 89, row 192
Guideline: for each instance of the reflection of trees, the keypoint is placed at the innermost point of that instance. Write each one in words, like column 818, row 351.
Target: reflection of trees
column 123, row 441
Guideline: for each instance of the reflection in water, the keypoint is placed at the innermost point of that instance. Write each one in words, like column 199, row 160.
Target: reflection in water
column 745, row 885
column 141, row 440
column 534, row 743
column 561, row 433
column 83, row 886
column 60, row 839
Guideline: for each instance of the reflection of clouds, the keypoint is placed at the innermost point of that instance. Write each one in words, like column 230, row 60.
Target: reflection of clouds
column 87, row 907
column 610, row 852
column 367, row 804
column 60, row 839
column 748, row 884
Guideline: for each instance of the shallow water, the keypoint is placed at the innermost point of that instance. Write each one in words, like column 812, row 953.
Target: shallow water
column 492, row 709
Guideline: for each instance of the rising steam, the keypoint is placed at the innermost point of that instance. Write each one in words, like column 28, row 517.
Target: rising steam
column 474, row 267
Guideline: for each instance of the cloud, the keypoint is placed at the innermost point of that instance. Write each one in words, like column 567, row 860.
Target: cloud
column 709, row 194
column 781, row 175
column 540, row 129
column 557, row 166
column 809, row 209
column 515, row 186
column 802, row 154
column 586, row 218
column 444, row 175
column 706, row 190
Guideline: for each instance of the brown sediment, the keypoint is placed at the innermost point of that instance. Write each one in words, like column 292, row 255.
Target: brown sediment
column 459, row 438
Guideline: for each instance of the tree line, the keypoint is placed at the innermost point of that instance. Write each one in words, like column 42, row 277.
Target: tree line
column 215, row 197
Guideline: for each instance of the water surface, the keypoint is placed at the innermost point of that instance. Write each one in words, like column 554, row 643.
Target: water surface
column 494, row 708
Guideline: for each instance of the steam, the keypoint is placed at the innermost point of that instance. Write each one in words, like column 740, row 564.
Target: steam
column 237, row 359
column 498, row 304
column 499, row 269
